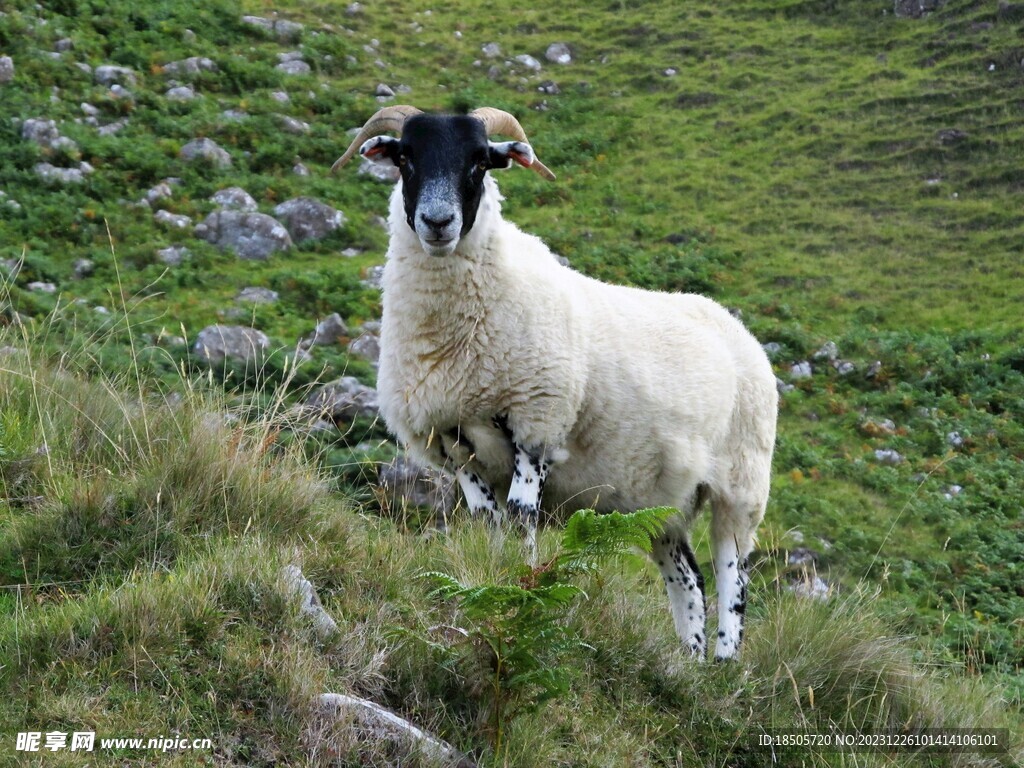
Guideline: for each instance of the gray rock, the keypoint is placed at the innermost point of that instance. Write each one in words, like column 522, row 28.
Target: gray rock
column 558, row 53
column 234, row 115
column 828, row 351
column 41, row 287
column 801, row 370
column 110, row 75
column 294, row 67
column 914, row 9
column 64, row 45
column 249, row 235
column 955, row 440
column 782, row 387
column 877, row 427
column 46, row 134
column 54, row 175
column 406, row 483
column 180, row 93
column 344, row 400
column 9, row 202
column 300, row 170
column 159, row 192
column 6, row 69
column 111, row 128
column 257, row 295
column 844, row 367
column 950, row 136
column 118, row 91
column 11, row 266
column 812, row 588
column 331, row 330
column 491, row 50
column 379, row 172
column 293, row 126
column 234, row 199
column 549, row 87
column 353, row 9
column 89, row 110
column 528, row 61
column 873, row 370
column 172, row 220
column 888, row 456
column 281, row 97
column 190, row 66
column 308, row 219
column 173, row 255
column 366, row 346
column 205, row 150
column 84, row 268
column 284, row 31
column 385, row 90
column 298, row 586
column 218, row 343
column 289, row 56
column 772, row 349
column 374, row 276
column 802, row 557
column 951, row 491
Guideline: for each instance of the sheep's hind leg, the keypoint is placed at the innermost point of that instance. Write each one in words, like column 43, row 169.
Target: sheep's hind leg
column 531, row 470
column 685, row 586
column 731, row 553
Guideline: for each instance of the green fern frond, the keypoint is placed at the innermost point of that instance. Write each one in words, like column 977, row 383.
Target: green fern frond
column 591, row 539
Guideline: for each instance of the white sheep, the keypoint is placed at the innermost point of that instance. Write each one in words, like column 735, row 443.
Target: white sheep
column 529, row 378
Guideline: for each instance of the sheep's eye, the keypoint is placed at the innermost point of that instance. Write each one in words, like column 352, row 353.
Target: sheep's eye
column 403, row 160
column 482, row 166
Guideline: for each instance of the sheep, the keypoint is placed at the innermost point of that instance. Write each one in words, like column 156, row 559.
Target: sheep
column 525, row 377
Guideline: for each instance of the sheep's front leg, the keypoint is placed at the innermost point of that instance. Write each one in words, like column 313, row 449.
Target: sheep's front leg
column 479, row 495
column 528, row 476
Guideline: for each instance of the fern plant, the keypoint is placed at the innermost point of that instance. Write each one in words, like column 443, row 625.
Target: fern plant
column 518, row 633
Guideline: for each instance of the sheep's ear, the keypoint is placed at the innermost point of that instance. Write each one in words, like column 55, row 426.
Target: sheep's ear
column 381, row 149
column 503, row 154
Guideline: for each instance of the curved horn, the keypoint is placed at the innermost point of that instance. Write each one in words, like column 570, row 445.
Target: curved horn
column 387, row 120
column 499, row 121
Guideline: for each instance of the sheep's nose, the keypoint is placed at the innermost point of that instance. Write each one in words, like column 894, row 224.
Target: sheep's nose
column 437, row 222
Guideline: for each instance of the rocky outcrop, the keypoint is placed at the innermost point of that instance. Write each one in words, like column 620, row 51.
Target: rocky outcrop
column 217, row 344
column 250, row 235
column 308, row 219
column 205, row 150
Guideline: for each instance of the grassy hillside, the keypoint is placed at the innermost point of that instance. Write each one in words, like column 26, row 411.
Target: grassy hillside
column 833, row 172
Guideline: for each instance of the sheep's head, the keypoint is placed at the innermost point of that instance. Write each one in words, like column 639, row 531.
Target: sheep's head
column 443, row 160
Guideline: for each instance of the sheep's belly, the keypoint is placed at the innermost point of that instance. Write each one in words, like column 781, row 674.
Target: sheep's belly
column 609, row 479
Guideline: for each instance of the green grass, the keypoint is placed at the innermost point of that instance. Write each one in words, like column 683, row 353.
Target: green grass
column 793, row 168
column 141, row 560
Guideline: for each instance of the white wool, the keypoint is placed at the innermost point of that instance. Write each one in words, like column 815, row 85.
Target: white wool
column 637, row 396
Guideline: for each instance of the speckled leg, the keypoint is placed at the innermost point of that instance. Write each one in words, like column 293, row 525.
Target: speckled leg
column 731, row 580
column 531, row 470
column 685, row 586
column 480, row 499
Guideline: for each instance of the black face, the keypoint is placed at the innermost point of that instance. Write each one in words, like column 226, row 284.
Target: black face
column 444, row 157
column 443, row 161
